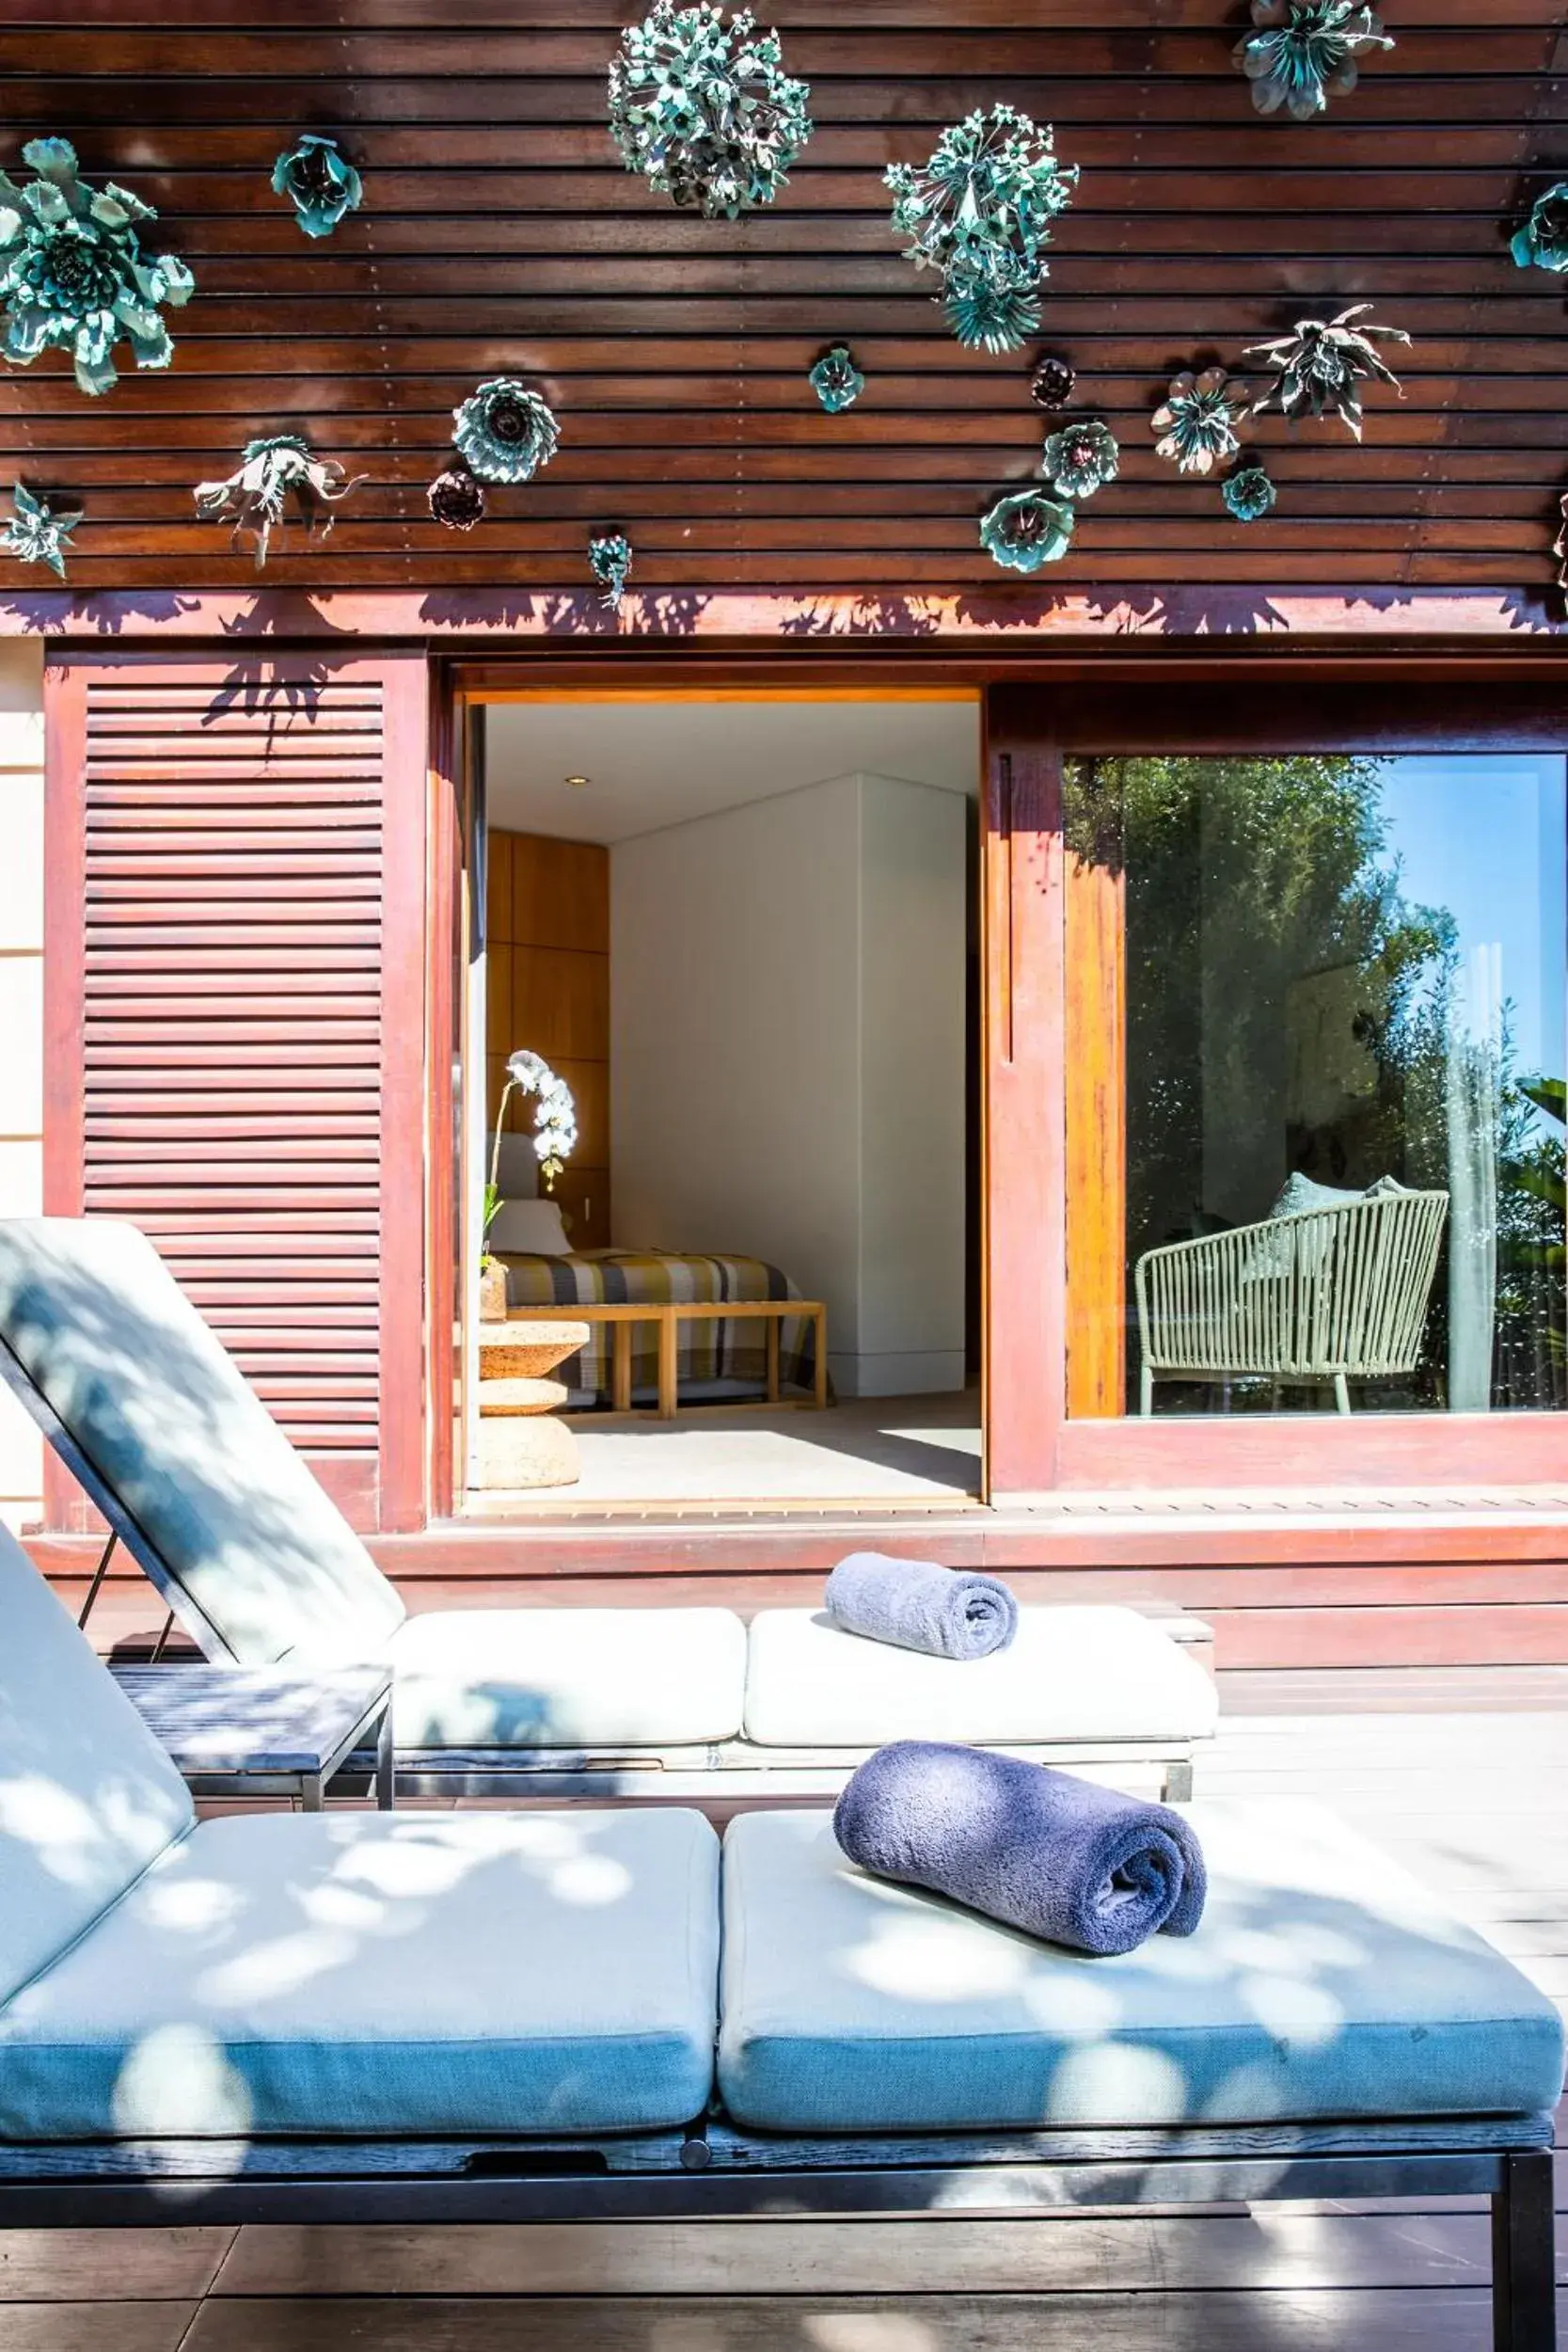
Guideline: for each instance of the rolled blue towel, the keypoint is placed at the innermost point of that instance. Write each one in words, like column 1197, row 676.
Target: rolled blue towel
column 1059, row 1857
column 918, row 1605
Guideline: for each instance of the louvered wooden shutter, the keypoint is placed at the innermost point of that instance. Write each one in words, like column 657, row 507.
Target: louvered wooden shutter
column 234, row 982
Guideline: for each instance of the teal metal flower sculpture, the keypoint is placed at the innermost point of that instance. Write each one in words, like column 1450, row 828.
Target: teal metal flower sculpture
column 1302, row 50
column 505, row 431
column 1198, row 419
column 270, row 470
column 1560, row 545
column 1249, row 494
column 704, row 110
column 1081, row 459
column 836, row 380
column 1026, row 530
column 74, row 277
column 319, row 181
column 1321, row 366
column 1542, row 242
column 39, row 528
column 610, row 561
column 980, row 212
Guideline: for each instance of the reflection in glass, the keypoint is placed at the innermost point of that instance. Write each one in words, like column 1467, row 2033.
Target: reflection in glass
column 1325, row 997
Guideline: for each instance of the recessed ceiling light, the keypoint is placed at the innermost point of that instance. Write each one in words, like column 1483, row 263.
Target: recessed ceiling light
column 577, row 780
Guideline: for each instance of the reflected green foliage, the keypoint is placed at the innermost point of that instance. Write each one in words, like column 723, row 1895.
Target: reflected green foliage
column 1300, row 51
column 75, row 277
column 704, row 110
column 319, row 181
column 39, row 528
column 980, row 212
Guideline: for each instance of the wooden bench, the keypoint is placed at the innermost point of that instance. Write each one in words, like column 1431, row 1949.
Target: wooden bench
column 669, row 1314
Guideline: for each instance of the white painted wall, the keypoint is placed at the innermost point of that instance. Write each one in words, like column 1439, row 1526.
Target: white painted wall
column 787, row 1059
column 21, row 1015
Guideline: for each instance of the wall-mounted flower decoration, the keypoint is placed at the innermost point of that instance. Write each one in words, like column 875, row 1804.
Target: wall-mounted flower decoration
column 1198, row 419
column 1081, row 458
column 1302, row 50
column 505, row 431
column 1560, row 545
column 1542, row 242
column 1322, row 364
column 1249, row 494
column 456, row 499
column 704, row 110
column 1054, row 383
column 272, row 470
column 980, row 212
column 72, row 274
column 836, row 380
column 610, row 561
column 1025, row 530
column 319, row 181
column 40, row 528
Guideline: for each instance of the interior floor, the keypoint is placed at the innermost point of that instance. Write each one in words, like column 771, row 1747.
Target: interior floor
column 905, row 1449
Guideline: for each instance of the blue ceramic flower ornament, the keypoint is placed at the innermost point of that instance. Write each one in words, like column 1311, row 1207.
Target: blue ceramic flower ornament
column 1542, row 242
column 980, row 212
column 505, row 431
column 704, row 110
column 610, row 561
column 1302, row 50
column 319, row 181
column 39, row 528
column 836, row 380
column 1249, row 494
column 1081, row 458
column 1025, row 530
column 72, row 274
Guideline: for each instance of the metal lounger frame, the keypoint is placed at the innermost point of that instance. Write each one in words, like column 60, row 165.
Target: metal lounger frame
column 714, row 2171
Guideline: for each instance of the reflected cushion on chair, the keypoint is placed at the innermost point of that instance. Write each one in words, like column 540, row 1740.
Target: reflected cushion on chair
column 1323, row 1982
column 1070, row 1674
column 87, row 1797
column 379, row 1973
column 567, row 1678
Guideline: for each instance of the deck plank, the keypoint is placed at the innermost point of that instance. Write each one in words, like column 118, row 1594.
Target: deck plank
column 96, row 2326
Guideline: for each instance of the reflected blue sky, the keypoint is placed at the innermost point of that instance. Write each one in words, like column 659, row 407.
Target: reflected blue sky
column 1486, row 836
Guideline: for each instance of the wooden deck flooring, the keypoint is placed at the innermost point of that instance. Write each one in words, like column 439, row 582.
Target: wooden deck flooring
column 1467, row 1782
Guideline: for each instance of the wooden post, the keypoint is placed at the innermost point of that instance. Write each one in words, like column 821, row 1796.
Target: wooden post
column 620, row 1367
column 1095, row 1069
column 669, row 1336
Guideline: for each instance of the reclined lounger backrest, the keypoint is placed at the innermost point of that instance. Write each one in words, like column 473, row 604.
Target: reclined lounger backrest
column 234, row 1520
column 87, row 1797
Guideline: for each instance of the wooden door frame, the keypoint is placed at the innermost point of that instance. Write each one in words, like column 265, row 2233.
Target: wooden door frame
column 1036, row 1447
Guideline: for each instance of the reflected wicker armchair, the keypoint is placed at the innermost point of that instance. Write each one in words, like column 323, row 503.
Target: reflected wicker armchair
column 1317, row 1300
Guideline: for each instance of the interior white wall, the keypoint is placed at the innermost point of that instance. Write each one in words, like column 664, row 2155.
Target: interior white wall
column 787, row 1059
column 21, row 1015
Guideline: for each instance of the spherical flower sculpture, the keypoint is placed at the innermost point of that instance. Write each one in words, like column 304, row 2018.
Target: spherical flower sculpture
column 1081, row 458
column 1025, row 530
column 505, row 431
column 40, row 528
column 72, row 274
column 319, row 181
column 836, row 380
column 1302, row 50
column 1054, row 381
column 456, row 499
column 1542, row 242
column 1249, row 494
column 980, row 212
column 1198, row 419
column 704, row 110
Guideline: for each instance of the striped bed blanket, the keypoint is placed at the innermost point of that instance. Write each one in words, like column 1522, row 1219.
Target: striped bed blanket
column 714, row 1356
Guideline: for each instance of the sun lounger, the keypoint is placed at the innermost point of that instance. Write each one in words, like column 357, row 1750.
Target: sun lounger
column 493, row 2016
column 205, row 1492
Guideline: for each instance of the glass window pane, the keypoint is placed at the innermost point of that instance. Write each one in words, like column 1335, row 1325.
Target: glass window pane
column 1316, row 1013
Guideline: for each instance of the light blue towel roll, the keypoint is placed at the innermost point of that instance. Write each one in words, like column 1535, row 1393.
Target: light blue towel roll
column 946, row 1612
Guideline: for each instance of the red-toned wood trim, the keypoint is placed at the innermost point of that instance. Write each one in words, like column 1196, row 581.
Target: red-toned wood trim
column 1094, row 948
column 998, row 620
column 441, row 915
column 1025, row 1330
column 405, row 952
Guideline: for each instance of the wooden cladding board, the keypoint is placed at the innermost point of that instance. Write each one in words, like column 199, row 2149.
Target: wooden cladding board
column 498, row 233
column 238, row 990
column 548, row 987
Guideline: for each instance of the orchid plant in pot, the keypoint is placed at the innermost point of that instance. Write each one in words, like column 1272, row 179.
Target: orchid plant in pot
column 555, row 1132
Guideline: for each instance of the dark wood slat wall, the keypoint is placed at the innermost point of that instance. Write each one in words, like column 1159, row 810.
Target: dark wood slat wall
column 500, row 233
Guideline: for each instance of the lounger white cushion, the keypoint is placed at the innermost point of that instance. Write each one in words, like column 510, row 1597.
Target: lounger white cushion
column 567, row 1678
column 1072, row 1673
column 159, row 1408
column 376, row 1973
column 1323, row 1982
column 87, row 1797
